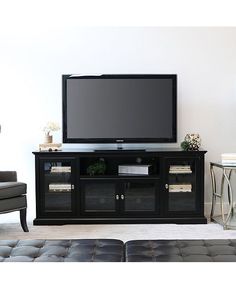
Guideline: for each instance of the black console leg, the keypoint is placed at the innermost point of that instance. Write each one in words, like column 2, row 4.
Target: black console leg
column 23, row 220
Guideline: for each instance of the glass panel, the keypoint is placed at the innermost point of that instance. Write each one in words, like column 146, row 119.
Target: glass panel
column 181, row 201
column 100, row 197
column 182, row 186
column 58, row 186
column 139, row 196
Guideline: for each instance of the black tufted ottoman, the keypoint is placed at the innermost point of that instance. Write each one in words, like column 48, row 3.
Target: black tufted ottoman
column 84, row 250
column 110, row 250
column 181, row 251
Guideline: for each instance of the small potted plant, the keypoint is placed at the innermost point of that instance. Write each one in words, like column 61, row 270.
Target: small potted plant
column 48, row 129
column 97, row 168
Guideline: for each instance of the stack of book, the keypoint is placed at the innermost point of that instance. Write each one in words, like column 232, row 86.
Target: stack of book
column 59, row 187
column 228, row 159
column 179, row 169
column 60, row 169
column 180, row 188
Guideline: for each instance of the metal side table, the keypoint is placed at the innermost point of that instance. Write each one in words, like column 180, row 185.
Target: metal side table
column 227, row 217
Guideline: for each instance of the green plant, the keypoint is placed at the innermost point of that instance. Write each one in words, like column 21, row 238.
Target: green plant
column 97, row 168
column 185, row 145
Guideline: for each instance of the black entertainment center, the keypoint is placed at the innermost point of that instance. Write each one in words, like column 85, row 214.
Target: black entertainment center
column 172, row 192
column 88, row 186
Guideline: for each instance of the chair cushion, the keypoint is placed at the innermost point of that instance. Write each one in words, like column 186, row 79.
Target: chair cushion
column 181, row 251
column 11, row 189
column 77, row 250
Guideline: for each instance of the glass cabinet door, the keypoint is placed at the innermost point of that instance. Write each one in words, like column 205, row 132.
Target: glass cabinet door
column 139, row 196
column 58, row 187
column 99, row 196
column 181, row 186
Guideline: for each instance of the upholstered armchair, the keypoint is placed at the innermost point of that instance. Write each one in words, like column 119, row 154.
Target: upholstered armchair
column 13, row 196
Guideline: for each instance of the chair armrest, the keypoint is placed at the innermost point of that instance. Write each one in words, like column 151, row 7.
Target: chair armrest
column 8, row 176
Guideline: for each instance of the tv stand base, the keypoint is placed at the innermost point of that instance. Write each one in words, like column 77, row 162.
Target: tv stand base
column 64, row 221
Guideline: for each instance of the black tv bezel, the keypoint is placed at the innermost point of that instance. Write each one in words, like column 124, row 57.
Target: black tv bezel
column 173, row 139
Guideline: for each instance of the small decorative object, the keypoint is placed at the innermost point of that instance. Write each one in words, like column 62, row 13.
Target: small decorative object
column 50, row 126
column 98, row 168
column 138, row 160
column 192, row 142
column 51, row 147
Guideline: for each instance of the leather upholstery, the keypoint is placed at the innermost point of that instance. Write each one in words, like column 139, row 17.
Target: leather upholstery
column 181, row 251
column 84, row 250
column 110, row 250
column 11, row 189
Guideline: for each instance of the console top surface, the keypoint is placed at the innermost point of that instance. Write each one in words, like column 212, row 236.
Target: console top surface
column 120, row 151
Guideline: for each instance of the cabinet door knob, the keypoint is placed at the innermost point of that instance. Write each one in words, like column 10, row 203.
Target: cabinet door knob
column 166, row 186
column 122, row 197
column 117, row 197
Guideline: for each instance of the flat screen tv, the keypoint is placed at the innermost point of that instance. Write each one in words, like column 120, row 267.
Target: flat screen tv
column 119, row 108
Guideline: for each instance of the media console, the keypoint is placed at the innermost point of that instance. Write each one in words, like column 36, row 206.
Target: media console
column 68, row 193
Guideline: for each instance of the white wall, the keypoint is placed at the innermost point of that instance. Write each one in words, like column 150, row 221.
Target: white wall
column 32, row 62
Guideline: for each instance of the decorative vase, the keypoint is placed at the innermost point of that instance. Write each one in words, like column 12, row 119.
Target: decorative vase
column 48, row 139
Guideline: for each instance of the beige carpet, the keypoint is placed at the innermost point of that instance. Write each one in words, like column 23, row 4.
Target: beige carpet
column 122, row 232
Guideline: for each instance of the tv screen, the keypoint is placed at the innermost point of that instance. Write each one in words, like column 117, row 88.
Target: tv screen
column 119, row 108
